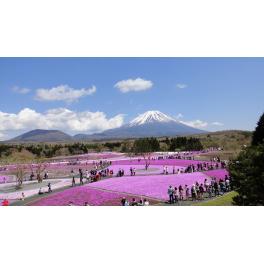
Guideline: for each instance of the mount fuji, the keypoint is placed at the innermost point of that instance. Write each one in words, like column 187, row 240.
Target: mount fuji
column 148, row 124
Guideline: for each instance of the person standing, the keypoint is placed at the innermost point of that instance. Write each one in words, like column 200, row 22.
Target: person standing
column 170, row 193
column 193, row 191
column 146, row 202
column 81, row 177
column 5, row 202
column 216, row 188
column 49, row 186
column 201, row 191
column 187, row 193
column 73, row 181
column 140, row 203
column 123, row 201
column 181, row 193
column 134, row 202
column 22, row 196
column 209, row 191
column 175, row 195
column 227, row 183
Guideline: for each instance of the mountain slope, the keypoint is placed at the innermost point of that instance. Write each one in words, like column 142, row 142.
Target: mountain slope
column 150, row 117
column 149, row 124
column 41, row 135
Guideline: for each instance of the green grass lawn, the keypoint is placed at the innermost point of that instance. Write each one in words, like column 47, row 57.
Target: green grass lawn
column 225, row 200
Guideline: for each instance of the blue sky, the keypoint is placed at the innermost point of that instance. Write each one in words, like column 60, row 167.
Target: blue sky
column 93, row 94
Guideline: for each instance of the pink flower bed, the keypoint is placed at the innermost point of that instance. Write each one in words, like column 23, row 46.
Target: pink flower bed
column 80, row 195
column 154, row 186
column 4, row 178
column 84, row 160
column 218, row 174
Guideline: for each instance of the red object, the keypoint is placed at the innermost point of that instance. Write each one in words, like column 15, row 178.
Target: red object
column 5, row 203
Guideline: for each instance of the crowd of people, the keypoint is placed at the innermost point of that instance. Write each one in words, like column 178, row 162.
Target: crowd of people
column 98, row 172
column 199, row 191
column 72, row 204
column 134, row 202
column 205, row 166
column 186, row 155
column 33, row 176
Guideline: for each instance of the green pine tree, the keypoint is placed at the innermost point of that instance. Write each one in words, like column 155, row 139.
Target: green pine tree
column 247, row 176
column 258, row 135
column 247, row 172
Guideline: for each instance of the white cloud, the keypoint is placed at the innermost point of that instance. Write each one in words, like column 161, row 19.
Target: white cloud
column 59, row 118
column 2, row 136
column 217, row 124
column 20, row 90
column 63, row 93
column 195, row 123
column 135, row 85
column 181, row 85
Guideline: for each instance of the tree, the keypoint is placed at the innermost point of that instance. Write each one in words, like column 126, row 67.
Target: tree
column 247, row 172
column 258, row 135
column 20, row 174
column 144, row 147
column 39, row 169
column 247, row 176
column 185, row 144
column 127, row 147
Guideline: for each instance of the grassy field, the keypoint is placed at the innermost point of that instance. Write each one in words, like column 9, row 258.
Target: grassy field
column 225, row 200
column 229, row 140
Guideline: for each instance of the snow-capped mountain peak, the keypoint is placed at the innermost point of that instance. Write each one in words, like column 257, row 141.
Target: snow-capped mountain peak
column 151, row 117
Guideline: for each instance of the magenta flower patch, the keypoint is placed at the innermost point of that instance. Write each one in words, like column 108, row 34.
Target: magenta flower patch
column 152, row 186
column 80, row 195
column 218, row 174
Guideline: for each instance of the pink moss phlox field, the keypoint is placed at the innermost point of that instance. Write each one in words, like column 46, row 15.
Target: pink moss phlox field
column 83, row 160
column 80, row 195
column 154, row 186
column 218, row 174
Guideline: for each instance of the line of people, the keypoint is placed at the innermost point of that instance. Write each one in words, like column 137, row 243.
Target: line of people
column 134, row 202
column 198, row 191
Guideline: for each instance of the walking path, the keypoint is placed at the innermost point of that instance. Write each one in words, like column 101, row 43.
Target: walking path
column 16, row 195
